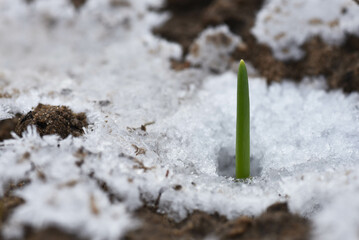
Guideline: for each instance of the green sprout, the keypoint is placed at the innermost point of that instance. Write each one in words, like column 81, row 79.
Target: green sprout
column 242, row 130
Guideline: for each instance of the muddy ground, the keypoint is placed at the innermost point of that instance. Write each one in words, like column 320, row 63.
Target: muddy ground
column 339, row 64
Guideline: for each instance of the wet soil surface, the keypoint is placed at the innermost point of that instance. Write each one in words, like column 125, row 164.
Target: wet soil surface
column 339, row 64
column 50, row 119
column 7, row 126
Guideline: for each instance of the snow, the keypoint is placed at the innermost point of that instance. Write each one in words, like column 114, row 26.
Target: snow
column 81, row 208
column 304, row 139
column 212, row 49
column 286, row 25
column 343, row 207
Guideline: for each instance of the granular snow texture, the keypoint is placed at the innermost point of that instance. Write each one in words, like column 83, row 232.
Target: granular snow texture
column 152, row 130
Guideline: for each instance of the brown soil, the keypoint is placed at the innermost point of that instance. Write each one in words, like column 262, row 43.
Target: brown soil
column 49, row 120
column 275, row 223
column 190, row 17
column 52, row 233
column 8, row 202
column 7, row 126
column 339, row 64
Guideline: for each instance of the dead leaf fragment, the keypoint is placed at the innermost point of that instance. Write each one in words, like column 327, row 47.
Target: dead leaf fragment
column 93, row 206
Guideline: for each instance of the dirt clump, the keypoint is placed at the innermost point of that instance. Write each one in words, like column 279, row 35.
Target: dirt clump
column 276, row 223
column 50, row 119
column 78, row 3
column 7, row 126
column 189, row 18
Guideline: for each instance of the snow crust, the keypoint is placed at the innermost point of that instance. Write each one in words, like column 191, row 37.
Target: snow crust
column 304, row 140
column 286, row 25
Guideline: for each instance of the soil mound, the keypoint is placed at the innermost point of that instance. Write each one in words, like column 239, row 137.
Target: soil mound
column 49, row 120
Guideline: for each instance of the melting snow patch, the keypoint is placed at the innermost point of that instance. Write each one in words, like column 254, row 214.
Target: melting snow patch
column 343, row 207
column 79, row 207
column 158, row 136
column 286, row 25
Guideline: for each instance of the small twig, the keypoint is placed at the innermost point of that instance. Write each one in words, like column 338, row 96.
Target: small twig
column 141, row 165
column 139, row 150
column 157, row 202
column 93, row 205
column 143, row 127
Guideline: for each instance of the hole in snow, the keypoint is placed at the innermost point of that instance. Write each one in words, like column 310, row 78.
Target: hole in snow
column 227, row 164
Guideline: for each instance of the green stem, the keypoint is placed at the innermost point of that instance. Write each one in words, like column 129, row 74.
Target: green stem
column 242, row 131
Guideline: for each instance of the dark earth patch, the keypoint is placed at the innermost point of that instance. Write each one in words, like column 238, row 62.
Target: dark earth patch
column 276, row 223
column 339, row 64
column 7, row 126
column 49, row 120
column 48, row 233
column 8, row 202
